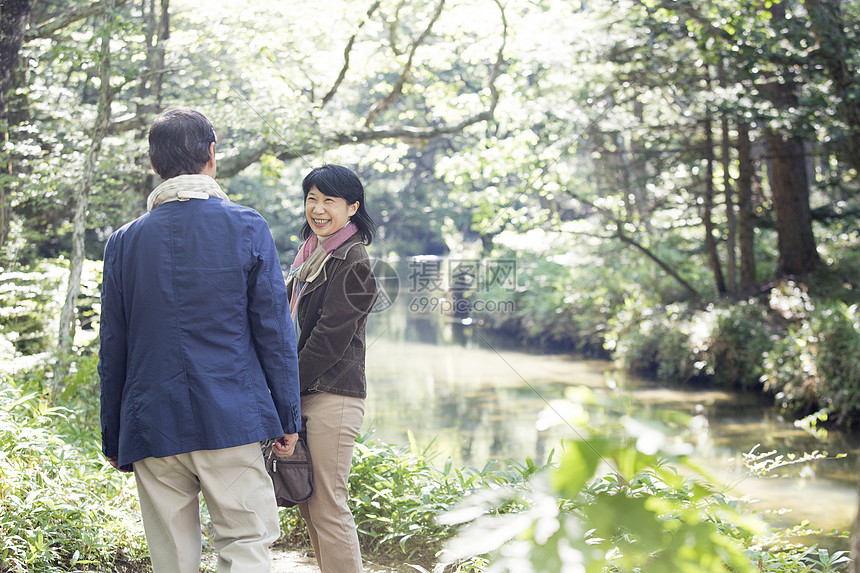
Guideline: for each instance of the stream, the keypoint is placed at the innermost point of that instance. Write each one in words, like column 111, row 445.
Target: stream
column 462, row 395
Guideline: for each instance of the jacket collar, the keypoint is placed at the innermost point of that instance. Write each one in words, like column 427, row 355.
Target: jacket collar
column 341, row 251
column 340, row 254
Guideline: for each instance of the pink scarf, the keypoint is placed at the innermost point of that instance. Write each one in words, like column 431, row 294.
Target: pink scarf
column 310, row 260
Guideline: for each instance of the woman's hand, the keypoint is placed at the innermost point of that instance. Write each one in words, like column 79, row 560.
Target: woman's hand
column 285, row 446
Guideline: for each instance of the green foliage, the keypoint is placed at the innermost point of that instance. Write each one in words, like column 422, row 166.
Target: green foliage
column 722, row 344
column 741, row 335
column 618, row 504
column 28, row 306
column 805, row 352
column 794, row 559
column 30, row 301
column 656, row 342
column 564, row 301
column 816, row 365
column 548, row 313
column 396, row 496
column 767, row 464
column 639, row 516
column 62, row 507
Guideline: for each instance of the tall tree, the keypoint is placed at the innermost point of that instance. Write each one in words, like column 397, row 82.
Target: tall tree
column 708, row 207
column 746, row 212
column 728, row 190
column 151, row 86
column 14, row 15
column 829, row 26
column 789, row 179
column 83, row 190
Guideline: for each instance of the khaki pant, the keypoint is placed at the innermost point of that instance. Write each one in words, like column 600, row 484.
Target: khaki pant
column 238, row 494
column 332, row 423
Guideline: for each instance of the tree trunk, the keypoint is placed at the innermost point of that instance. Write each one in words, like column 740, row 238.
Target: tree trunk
column 746, row 215
column 731, row 217
column 79, row 222
column 150, row 88
column 828, row 26
column 708, row 208
column 13, row 22
column 789, row 181
column 789, row 185
column 728, row 194
column 795, row 240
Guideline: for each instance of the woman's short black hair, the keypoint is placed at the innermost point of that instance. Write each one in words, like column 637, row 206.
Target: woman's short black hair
column 338, row 181
column 179, row 141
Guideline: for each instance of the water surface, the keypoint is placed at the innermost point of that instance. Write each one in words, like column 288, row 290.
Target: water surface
column 465, row 397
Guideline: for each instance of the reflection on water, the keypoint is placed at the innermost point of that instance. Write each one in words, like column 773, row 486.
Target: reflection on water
column 823, row 493
column 458, row 392
column 473, row 404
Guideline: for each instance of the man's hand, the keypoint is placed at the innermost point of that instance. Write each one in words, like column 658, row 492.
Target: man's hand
column 114, row 462
column 285, row 446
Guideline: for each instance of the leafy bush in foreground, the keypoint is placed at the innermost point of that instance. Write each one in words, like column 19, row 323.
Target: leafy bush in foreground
column 62, row 508
column 396, row 496
column 609, row 507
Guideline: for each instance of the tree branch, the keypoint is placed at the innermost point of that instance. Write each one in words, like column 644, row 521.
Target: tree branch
column 346, row 53
column 60, row 21
column 392, row 29
column 660, row 263
column 384, row 103
column 500, row 58
column 230, row 165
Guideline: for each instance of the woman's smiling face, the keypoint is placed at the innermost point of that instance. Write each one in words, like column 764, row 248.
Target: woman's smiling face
column 327, row 215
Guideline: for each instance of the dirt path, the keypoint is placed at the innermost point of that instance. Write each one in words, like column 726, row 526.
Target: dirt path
column 284, row 561
column 291, row 561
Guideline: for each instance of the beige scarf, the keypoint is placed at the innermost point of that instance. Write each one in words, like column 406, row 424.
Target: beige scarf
column 183, row 188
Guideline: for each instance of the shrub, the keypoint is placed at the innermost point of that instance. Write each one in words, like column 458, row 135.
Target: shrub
column 28, row 305
column 396, row 496
column 656, row 343
column 634, row 337
column 62, row 507
column 641, row 515
column 742, row 334
column 837, row 354
column 617, row 505
column 547, row 312
column 816, row 365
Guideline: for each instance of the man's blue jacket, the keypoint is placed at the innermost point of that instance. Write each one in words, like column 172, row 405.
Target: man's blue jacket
column 198, row 351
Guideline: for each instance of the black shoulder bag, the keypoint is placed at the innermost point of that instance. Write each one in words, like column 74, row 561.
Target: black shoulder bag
column 292, row 476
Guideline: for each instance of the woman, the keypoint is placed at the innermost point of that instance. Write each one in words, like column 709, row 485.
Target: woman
column 332, row 290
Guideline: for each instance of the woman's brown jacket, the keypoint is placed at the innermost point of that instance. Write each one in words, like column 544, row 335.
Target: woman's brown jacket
column 332, row 315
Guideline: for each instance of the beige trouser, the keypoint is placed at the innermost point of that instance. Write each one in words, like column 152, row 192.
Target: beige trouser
column 241, row 502
column 332, row 423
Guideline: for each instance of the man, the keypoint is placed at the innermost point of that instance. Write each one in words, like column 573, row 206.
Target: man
column 198, row 358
